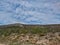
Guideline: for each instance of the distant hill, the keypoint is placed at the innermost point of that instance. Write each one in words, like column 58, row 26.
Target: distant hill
column 30, row 28
column 31, row 25
column 24, row 28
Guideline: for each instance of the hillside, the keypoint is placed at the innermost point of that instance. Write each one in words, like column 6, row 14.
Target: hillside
column 22, row 34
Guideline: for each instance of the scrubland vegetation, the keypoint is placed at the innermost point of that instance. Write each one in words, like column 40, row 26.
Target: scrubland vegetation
column 30, row 35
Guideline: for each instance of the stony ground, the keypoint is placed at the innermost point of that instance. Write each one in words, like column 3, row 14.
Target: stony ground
column 31, row 39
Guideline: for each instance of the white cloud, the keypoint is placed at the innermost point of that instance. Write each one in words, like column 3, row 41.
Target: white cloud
column 29, row 11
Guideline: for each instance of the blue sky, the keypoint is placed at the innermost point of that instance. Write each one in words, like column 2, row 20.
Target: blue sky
column 29, row 11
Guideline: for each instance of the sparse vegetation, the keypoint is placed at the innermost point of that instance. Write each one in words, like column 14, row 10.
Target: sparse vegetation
column 10, row 35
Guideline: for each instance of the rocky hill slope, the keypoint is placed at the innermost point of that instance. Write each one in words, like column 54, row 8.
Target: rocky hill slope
column 21, row 34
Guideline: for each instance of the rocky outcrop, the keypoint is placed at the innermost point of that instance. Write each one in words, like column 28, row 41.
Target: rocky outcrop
column 34, row 39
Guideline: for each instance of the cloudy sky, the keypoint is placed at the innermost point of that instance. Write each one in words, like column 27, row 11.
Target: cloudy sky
column 29, row 11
